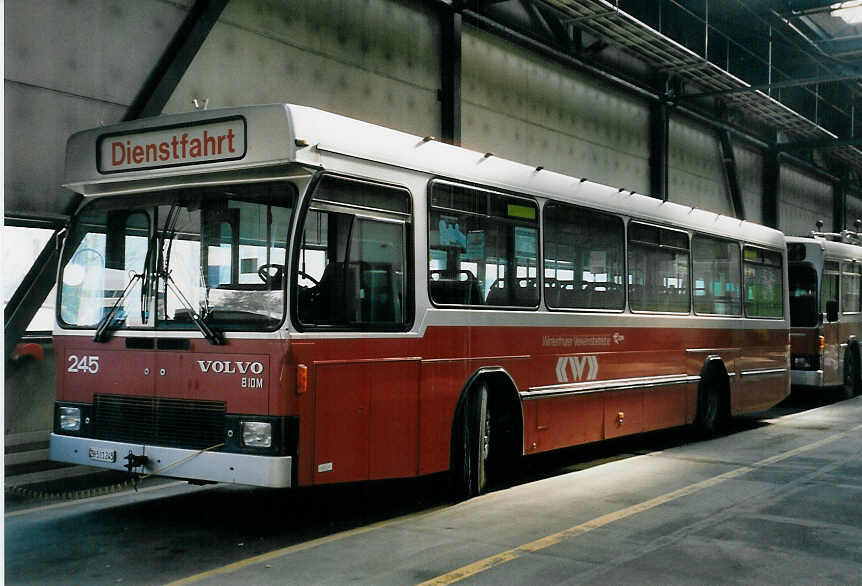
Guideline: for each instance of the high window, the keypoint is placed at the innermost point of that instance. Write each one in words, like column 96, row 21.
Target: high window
column 716, row 275
column 829, row 285
column 483, row 247
column 584, row 258
column 851, row 275
column 658, row 269
column 763, row 283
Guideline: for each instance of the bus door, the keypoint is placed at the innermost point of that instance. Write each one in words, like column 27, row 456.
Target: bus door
column 805, row 316
column 352, row 289
column 851, row 303
column 829, row 306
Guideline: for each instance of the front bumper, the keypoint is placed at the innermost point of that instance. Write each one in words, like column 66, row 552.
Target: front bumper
column 253, row 470
column 808, row 378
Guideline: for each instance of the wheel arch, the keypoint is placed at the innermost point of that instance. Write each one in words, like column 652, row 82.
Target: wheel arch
column 853, row 346
column 502, row 392
column 852, row 352
column 714, row 371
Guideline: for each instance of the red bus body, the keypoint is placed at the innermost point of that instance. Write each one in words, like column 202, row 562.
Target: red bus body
column 354, row 404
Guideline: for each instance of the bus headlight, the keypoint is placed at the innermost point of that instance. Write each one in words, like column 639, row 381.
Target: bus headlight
column 70, row 418
column 256, row 434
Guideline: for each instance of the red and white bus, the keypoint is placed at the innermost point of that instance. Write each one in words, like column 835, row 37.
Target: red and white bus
column 825, row 272
column 280, row 296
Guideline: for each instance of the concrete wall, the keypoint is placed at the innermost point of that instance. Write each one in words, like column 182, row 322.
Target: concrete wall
column 69, row 65
column 29, row 397
column 521, row 106
column 376, row 60
column 749, row 172
column 696, row 173
column 803, row 201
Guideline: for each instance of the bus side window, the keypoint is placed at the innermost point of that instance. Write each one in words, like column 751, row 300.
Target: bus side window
column 829, row 291
column 851, row 274
column 716, row 276
column 377, row 256
column 352, row 270
column 763, row 283
column 658, row 269
column 584, row 258
column 482, row 247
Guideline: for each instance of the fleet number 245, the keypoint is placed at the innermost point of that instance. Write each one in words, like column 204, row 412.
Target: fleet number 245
column 87, row 364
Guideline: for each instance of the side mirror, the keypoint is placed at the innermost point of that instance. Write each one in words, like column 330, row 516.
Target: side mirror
column 832, row 310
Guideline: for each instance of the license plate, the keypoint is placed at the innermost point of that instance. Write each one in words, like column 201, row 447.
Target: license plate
column 103, row 455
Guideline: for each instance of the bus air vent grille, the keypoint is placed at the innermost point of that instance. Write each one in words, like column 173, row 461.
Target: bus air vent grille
column 158, row 421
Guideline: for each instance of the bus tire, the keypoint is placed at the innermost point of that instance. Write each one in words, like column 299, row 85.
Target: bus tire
column 850, row 387
column 711, row 417
column 473, row 445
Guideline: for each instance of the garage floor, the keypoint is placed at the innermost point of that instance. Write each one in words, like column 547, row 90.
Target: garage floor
column 778, row 500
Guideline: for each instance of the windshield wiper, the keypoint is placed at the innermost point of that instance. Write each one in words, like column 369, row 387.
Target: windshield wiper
column 163, row 272
column 215, row 338
column 102, row 329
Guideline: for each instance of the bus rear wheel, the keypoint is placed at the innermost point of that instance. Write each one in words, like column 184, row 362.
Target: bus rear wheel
column 850, row 387
column 473, row 445
column 710, row 416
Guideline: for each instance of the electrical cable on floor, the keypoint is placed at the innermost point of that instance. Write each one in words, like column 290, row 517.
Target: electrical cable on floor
column 101, row 490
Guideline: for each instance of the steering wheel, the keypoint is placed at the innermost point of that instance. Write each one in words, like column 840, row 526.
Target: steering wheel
column 305, row 275
column 270, row 278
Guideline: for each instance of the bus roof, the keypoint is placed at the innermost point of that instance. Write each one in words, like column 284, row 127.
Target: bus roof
column 830, row 248
column 160, row 152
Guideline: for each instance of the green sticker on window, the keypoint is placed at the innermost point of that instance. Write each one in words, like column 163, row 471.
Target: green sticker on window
column 518, row 211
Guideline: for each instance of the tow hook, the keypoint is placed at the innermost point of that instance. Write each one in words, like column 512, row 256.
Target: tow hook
column 134, row 461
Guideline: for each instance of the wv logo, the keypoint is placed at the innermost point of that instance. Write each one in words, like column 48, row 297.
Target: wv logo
column 581, row 368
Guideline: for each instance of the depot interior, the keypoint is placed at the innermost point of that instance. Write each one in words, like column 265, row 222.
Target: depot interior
column 743, row 107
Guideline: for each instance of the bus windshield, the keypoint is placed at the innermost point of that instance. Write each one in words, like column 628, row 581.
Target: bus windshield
column 803, row 295
column 207, row 258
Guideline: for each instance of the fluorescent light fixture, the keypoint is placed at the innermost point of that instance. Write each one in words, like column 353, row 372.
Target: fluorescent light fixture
column 850, row 12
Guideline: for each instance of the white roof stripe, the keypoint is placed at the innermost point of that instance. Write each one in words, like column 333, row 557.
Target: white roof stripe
column 277, row 131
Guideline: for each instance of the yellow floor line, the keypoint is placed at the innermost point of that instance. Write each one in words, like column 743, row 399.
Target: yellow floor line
column 517, row 552
column 545, row 542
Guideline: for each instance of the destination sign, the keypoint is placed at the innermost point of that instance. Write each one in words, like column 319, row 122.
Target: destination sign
column 209, row 142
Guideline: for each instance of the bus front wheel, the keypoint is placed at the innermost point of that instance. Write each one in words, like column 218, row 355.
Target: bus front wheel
column 473, row 445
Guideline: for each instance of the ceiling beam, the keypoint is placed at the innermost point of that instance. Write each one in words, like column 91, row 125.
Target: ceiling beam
column 813, row 145
column 450, row 75
column 787, row 83
column 174, row 62
column 841, row 46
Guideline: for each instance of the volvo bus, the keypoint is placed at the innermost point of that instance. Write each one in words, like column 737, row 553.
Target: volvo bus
column 280, row 296
column 825, row 271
